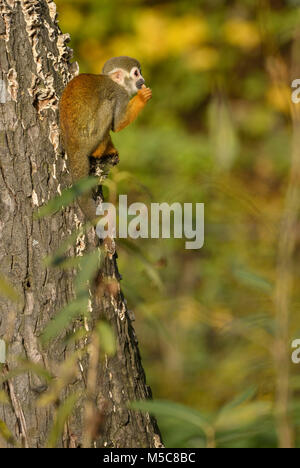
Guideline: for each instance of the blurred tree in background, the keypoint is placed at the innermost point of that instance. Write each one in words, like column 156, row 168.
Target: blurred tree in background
column 218, row 130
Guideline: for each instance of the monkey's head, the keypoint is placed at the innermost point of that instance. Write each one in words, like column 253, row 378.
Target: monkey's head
column 125, row 71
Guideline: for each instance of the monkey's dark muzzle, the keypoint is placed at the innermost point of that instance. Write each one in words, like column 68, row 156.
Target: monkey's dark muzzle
column 140, row 83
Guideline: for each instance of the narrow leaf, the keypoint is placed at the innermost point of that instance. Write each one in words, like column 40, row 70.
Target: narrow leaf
column 6, row 434
column 7, row 290
column 107, row 338
column 252, row 280
column 63, row 413
column 64, row 318
column 67, row 197
column 174, row 410
column 88, row 266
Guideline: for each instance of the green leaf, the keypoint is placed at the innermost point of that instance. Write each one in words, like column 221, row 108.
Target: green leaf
column 250, row 279
column 174, row 410
column 243, row 415
column 88, row 266
column 149, row 268
column 63, row 262
column 27, row 366
column 240, row 399
column 76, row 336
column 179, row 434
column 64, row 318
column 67, row 196
column 63, row 413
column 231, row 437
column 107, row 338
column 3, row 398
column 7, row 290
column 222, row 129
column 59, row 255
column 6, row 434
column 37, row 369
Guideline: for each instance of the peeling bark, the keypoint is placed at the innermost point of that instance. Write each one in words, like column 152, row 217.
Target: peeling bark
column 34, row 69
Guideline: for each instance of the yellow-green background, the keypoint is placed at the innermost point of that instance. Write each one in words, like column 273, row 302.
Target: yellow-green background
column 218, row 131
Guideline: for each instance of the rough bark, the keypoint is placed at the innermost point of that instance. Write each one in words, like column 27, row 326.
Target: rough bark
column 34, row 68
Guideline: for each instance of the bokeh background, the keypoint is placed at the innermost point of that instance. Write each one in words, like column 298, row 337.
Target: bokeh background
column 218, row 130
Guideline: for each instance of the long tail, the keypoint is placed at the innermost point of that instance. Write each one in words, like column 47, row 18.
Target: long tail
column 79, row 167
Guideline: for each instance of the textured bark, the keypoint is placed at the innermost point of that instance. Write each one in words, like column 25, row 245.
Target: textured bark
column 34, row 68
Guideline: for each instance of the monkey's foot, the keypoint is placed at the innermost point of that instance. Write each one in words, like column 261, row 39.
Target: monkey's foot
column 111, row 158
column 100, row 166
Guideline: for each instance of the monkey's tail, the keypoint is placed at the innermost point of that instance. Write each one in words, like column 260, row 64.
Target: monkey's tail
column 80, row 168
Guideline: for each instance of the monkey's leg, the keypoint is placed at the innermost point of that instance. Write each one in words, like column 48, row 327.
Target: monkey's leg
column 101, row 149
column 111, row 149
column 106, row 148
column 134, row 107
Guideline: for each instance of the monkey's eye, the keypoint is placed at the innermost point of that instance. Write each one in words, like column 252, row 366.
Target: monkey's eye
column 136, row 73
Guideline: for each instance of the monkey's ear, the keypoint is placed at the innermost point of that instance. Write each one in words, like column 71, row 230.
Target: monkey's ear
column 118, row 76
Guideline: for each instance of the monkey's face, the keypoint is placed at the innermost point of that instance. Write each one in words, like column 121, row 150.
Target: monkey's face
column 131, row 80
column 136, row 80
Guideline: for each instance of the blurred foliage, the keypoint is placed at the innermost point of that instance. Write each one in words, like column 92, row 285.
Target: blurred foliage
column 7, row 290
column 67, row 196
column 218, row 130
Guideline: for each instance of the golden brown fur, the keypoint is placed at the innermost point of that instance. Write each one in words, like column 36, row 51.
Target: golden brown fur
column 90, row 107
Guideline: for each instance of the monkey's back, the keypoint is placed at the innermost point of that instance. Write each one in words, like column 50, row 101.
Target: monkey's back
column 87, row 108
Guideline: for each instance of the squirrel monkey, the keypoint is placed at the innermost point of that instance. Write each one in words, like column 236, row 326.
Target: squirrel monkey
column 93, row 105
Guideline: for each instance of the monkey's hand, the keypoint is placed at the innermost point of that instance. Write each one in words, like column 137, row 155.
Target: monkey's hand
column 144, row 94
column 135, row 105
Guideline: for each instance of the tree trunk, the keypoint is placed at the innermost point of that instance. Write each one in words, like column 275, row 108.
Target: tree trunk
column 34, row 68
